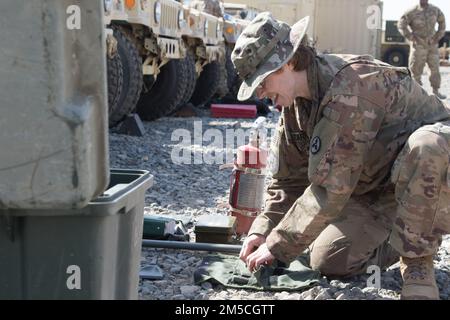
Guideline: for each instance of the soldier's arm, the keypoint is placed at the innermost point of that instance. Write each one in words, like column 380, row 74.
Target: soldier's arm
column 339, row 148
column 403, row 27
column 289, row 180
column 441, row 29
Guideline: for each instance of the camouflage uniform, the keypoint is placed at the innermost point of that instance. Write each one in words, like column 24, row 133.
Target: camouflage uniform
column 366, row 157
column 209, row 6
column 418, row 26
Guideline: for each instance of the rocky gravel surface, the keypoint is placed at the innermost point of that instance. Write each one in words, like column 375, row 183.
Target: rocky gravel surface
column 192, row 189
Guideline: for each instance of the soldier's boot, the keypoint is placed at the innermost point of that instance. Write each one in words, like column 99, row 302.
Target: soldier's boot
column 439, row 95
column 419, row 282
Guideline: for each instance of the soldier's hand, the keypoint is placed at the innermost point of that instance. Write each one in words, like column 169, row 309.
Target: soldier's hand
column 251, row 243
column 261, row 256
column 415, row 39
column 411, row 37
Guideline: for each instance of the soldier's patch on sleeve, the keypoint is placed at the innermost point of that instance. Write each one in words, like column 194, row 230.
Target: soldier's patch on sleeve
column 325, row 134
column 315, row 145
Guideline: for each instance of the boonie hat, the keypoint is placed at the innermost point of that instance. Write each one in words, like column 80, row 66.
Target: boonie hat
column 264, row 46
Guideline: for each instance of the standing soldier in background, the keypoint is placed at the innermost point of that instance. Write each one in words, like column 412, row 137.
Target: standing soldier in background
column 418, row 26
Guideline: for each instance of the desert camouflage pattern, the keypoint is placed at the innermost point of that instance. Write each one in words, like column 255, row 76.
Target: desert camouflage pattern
column 418, row 26
column 209, row 6
column 359, row 238
column 336, row 153
column 418, row 57
column 421, row 176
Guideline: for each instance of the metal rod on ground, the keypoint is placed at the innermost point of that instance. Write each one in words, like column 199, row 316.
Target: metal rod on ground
column 191, row 246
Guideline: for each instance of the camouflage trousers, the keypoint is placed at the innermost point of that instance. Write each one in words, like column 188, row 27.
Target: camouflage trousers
column 421, row 55
column 408, row 218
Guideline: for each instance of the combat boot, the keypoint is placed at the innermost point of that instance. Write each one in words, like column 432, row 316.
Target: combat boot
column 419, row 282
column 439, row 95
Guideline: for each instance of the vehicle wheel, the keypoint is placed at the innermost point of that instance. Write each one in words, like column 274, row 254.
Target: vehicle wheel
column 207, row 84
column 132, row 76
column 148, row 83
column 115, row 84
column 235, row 89
column 222, row 88
column 233, row 80
column 396, row 57
column 167, row 92
column 192, row 78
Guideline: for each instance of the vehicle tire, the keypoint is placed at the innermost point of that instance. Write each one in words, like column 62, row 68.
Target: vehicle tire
column 192, row 78
column 222, row 88
column 132, row 76
column 207, row 84
column 115, row 84
column 235, row 89
column 397, row 57
column 167, row 92
column 233, row 80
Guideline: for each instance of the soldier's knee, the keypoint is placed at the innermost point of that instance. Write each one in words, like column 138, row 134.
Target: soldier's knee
column 423, row 145
column 329, row 262
column 427, row 146
column 330, row 258
column 423, row 162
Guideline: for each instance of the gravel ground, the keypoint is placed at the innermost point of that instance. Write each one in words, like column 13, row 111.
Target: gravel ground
column 196, row 189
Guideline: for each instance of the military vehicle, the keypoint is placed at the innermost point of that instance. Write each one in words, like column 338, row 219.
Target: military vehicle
column 162, row 54
column 241, row 11
column 394, row 47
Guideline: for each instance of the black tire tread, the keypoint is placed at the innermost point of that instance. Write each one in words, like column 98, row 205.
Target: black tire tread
column 132, row 75
column 192, row 78
column 207, row 84
column 167, row 92
column 233, row 80
column 115, row 83
column 222, row 88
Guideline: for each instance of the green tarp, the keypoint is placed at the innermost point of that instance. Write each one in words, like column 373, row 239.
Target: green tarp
column 232, row 272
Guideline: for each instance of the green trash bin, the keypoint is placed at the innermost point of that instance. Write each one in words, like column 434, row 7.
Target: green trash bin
column 89, row 253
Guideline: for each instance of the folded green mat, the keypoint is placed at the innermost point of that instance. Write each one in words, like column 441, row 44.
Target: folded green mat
column 232, row 272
